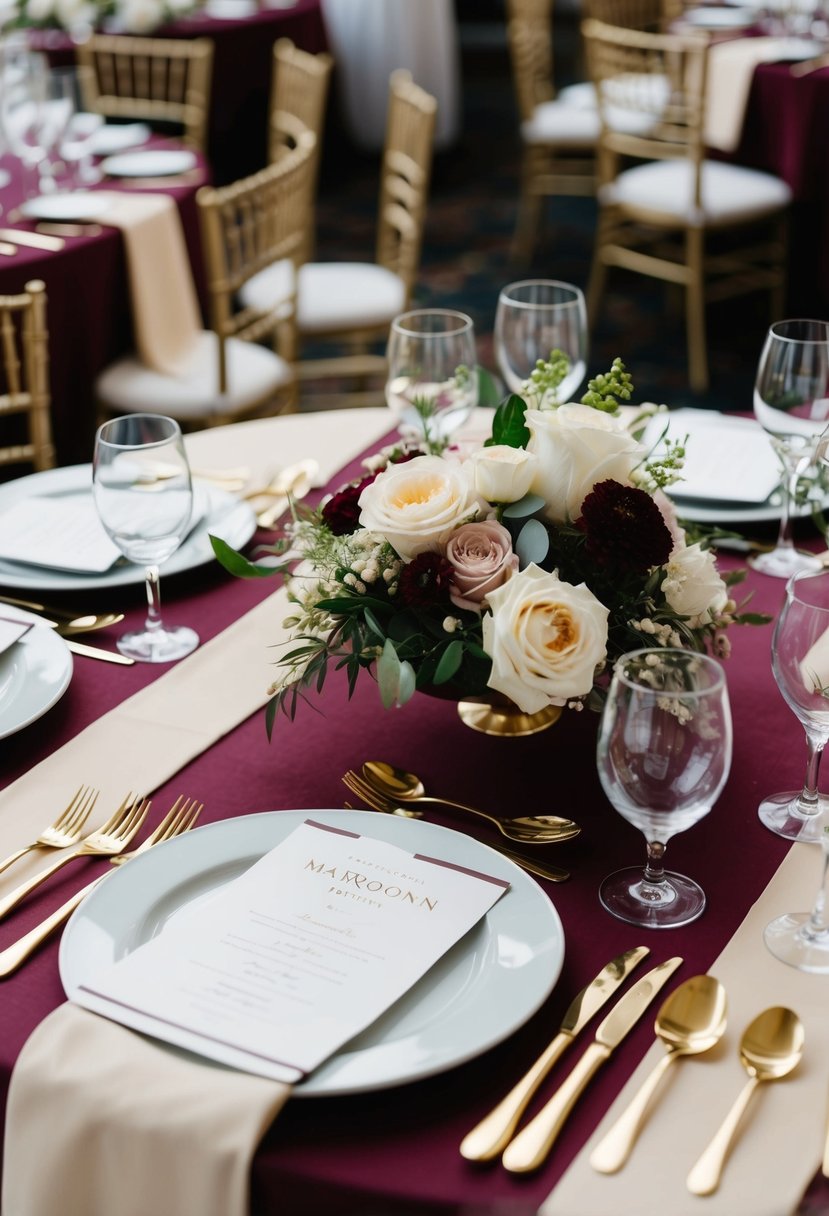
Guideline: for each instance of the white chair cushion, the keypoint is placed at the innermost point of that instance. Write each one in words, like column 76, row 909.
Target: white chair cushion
column 270, row 287
column 581, row 95
column 336, row 296
column 254, row 374
column 556, row 122
column 730, row 193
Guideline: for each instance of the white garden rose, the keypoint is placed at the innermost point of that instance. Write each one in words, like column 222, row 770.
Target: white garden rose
column 577, row 446
column 417, row 505
column 692, row 585
column 502, row 473
column 39, row 10
column 140, row 16
column 545, row 638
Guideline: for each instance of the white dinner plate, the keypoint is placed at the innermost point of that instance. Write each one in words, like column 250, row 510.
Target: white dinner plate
column 34, row 674
column 481, row 991
column 160, row 162
column 112, row 138
column 224, row 516
column 81, row 205
column 724, row 18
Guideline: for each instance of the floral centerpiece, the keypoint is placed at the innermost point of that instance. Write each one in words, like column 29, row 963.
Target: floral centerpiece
column 81, row 17
column 521, row 568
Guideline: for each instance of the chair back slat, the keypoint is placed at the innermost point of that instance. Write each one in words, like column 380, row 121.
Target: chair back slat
column 530, row 40
column 24, row 375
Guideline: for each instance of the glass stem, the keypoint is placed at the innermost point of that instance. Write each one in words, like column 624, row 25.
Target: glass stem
column 784, row 536
column 819, row 917
column 654, row 870
column 152, row 584
column 809, row 801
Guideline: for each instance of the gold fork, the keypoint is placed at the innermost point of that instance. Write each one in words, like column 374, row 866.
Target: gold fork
column 376, row 802
column 65, row 831
column 112, row 837
column 180, row 818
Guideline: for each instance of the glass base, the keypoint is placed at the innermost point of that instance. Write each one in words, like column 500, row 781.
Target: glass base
column 664, row 905
column 158, row 645
column 790, row 939
column 784, row 562
column 781, row 814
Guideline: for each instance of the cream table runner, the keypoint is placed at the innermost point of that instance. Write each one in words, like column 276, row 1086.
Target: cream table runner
column 127, row 1127
column 731, row 67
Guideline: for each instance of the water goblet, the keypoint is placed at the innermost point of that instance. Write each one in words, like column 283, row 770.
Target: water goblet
column 432, row 381
column 801, row 939
column 147, row 515
column 36, row 105
column 800, row 662
column 664, row 754
column 533, row 318
column 791, row 403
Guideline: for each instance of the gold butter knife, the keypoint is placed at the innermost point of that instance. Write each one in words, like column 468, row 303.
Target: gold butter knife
column 531, row 1146
column 35, row 240
column 95, row 652
column 493, row 1133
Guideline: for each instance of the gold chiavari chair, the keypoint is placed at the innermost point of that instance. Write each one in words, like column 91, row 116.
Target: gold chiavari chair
column 353, row 303
column 161, row 80
column 658, row 216
column 254, row 224
column 24, row 371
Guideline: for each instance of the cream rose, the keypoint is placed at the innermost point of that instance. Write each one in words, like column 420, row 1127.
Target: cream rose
column 577, row 446
column 545, row 638
column 501, row 473
column 417, row 506
column 482, row 558
column 692, row 585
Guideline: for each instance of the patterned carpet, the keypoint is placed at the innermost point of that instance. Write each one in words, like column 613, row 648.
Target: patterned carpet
column 466, row 254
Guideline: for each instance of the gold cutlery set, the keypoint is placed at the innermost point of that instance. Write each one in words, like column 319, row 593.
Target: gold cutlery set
column 109, row 840
column 689, row 1022
column 70, row 624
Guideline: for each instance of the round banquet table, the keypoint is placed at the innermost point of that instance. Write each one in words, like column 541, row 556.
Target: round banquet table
column 396, row 1151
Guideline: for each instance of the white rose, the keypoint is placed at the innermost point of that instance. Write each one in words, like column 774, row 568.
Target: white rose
column 417, row 505
column 545, row 638
column 501, row 473
column 692, row 586
column 576, row 447
column 140, row 16
column 39, row 10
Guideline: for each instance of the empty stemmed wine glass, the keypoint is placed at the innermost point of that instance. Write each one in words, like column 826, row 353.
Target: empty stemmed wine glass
column 791, row 403
column 800, row 662
column 801, row 939
column 534, row 318
column 144, row 495
column 664, row 754
column 36, row 105
column 432, row 378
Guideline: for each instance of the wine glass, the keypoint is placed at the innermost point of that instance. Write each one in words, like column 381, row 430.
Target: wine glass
column 533, row 318
column 801, row 939
column 36, row 105
column 800, row 662
column 791, row 403
column 664, row 754
column 144, row 495
column 432, row 380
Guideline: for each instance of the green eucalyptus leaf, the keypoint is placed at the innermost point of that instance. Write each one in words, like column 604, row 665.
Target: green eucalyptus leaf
column 450, row 661
column 236, row 564
column 388, row 675
column 528, row 505
column 533, row 543
column 407, row 683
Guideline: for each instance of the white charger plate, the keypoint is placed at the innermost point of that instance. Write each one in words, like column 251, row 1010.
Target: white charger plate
column 34, row 673
column 81, row 205
column 480, row 992
column 112, row 138
column 725, row 515
column 160, row 162
column 725, row 18
column 224, row 516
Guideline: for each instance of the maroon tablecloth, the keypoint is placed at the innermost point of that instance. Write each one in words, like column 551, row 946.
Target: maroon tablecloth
column 396, row 1150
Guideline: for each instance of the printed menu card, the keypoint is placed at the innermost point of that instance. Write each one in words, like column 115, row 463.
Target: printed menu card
column 12, row 631
column 298, row 954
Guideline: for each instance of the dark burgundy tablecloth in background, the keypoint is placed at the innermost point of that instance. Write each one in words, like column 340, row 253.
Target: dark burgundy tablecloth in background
column 396, row 1150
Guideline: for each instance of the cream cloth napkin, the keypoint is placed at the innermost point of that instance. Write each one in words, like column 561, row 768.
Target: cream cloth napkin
column 731, row 65
column 780, row 1139
column 165, row 309
column 101, row 1121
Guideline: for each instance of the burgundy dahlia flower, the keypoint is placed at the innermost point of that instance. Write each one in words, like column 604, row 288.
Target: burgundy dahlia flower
column 425, row 581
column 625, row 529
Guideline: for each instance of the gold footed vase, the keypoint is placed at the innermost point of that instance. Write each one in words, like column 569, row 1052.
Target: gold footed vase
column 500, row 716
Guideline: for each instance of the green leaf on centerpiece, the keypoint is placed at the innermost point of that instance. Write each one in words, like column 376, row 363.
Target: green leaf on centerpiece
column 395, row 679
column 488, row 394
column 533, row 543
column 508, row 425
column 528, row 505
column 234, row 563
column 450, row 661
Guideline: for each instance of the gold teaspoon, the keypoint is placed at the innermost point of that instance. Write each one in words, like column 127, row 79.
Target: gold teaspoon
column 690, row 1021
column 770, row 1048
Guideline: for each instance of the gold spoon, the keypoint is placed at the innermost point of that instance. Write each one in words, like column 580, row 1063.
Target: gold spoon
column 770, row 1048
column 690, row 1021
column 66, row 623
column 398, row 785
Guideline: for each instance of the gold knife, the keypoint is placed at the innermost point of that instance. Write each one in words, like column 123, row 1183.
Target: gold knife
column 95, row 652
column 495, row 1130
column 35, row 240
column 531, row 1146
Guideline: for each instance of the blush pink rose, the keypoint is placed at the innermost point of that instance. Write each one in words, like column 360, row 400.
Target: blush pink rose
column 482, row 558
